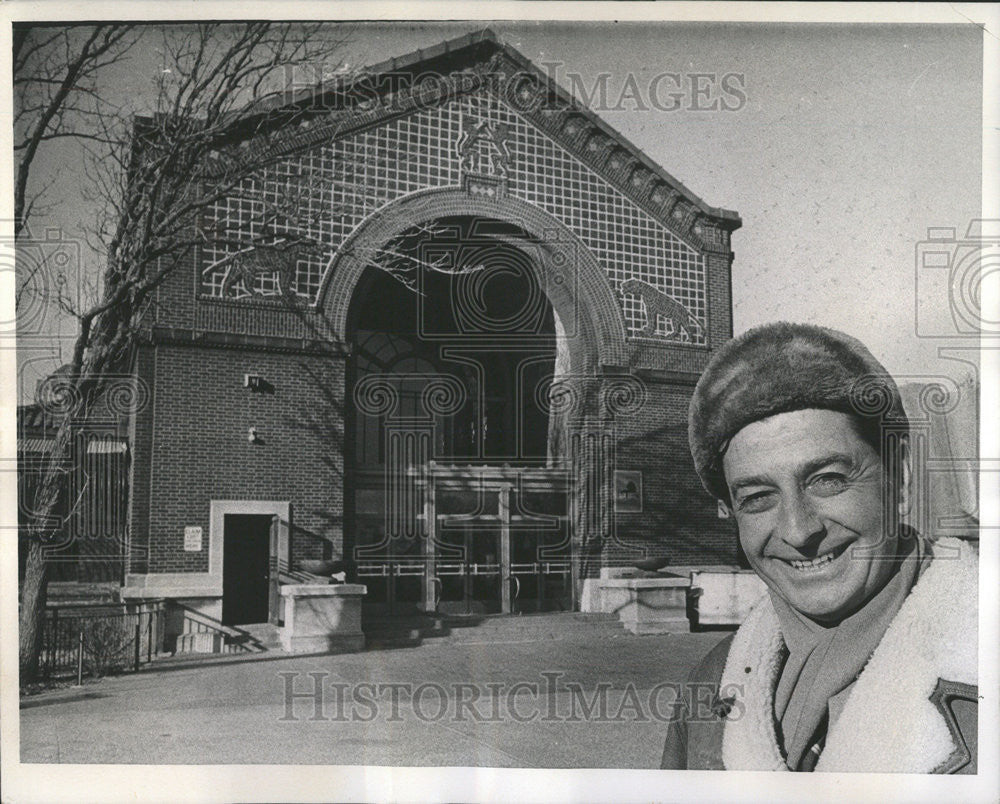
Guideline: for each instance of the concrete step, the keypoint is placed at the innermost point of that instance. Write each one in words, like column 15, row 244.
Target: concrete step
column 411, row 631
column 535, row 627
column 247, row 639
column 400, row 632
column 266, row 635
column 200, row 642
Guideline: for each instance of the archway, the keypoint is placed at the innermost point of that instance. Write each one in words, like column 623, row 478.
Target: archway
column 585, row 306
column 454, row 339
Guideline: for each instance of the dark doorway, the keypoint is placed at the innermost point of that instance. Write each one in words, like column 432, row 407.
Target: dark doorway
column 470, row 570
column 482, row 318
column 245, row 572
column 464, row 300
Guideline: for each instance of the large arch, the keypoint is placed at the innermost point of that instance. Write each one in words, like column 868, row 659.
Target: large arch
column 590, row 327
column 570, row 275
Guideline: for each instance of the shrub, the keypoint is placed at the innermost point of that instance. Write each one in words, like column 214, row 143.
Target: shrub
column 106, row 644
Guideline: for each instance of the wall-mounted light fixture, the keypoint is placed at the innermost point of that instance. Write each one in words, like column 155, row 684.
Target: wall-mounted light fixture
column 257, row 384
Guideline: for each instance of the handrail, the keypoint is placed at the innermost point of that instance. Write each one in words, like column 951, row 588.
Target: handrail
column 301, row 576
column 235, row 639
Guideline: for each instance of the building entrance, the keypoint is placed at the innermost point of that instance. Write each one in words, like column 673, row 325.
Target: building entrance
column 245, row 568
column 499, row 544
column 500, row 541
column 455, row 343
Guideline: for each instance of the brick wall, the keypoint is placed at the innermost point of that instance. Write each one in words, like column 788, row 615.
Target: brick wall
column 140, row 492
column 679, row 518
column 197, row 447
column 190, row 445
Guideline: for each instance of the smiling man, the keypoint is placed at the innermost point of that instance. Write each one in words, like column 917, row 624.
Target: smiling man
column 862, row 656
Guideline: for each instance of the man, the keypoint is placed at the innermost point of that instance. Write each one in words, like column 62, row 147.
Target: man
column 863, row 654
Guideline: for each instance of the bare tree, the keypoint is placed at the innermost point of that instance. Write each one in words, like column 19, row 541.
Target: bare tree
column 56, row 92
column 155, row 181
column 224, row 98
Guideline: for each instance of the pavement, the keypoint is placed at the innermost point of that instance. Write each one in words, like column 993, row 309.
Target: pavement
column 589, row 701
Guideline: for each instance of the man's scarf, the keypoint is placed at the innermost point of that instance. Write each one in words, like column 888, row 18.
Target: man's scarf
column 824, row 660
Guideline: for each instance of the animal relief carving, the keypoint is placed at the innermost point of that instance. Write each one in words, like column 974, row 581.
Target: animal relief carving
column 271, row 260
column 659, row 305
column 497, row 156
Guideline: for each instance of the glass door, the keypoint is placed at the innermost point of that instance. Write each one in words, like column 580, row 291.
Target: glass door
column 540, row 566
column 496, row 548
column 468, row 569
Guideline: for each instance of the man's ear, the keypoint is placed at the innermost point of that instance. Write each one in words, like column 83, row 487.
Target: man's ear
column 905, row 478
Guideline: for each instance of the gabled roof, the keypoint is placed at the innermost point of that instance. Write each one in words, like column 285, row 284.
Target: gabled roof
column 634, row 172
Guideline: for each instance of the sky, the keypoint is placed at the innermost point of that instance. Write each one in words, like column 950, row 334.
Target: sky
column 852, row 141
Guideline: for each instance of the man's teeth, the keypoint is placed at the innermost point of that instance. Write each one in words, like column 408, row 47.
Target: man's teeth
column 816, row 563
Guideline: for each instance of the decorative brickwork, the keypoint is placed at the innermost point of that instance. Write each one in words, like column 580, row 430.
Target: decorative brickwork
column 199, row 422
column 338, row 185
column 600, row 226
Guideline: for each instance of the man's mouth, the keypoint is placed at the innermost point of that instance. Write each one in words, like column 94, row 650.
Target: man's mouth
column 815, row 564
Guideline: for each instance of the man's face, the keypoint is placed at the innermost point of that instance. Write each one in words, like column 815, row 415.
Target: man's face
column 808, row 494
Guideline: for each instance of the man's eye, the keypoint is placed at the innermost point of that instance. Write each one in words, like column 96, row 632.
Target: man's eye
column 754, row 503
column 829, row 483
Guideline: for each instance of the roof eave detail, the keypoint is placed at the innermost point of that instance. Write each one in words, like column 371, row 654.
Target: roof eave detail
column 491, row 45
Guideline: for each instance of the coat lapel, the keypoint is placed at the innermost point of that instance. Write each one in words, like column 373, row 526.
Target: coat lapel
column 750, row 741
column 934, row 636
column 889, row 723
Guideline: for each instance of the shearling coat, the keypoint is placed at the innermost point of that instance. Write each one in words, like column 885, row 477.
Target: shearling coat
column 913, row 708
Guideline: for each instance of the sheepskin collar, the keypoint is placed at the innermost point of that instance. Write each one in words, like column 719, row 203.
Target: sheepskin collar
column 933, row 637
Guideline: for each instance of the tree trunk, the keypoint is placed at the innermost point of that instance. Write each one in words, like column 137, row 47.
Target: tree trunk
column 34, row 592
column 47, row 520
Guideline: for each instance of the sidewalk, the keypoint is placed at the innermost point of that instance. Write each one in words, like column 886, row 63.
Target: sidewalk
column 501, row 705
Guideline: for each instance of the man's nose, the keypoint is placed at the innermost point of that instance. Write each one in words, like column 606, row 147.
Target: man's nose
column 800, row 523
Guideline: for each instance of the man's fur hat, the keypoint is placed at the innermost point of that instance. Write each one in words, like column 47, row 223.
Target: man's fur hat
column 780, row 367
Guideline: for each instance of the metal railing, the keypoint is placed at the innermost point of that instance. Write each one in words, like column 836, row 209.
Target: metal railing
column 98, row 639
column 224, row 638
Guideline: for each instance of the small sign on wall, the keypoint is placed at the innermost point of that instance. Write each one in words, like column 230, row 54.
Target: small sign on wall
column 628, row 491
column 192, row 539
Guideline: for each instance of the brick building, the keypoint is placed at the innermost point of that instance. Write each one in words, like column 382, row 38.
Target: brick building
column 88, row 557
column 473, row 392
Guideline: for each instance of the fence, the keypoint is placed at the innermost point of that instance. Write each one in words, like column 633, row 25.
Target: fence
column 102, row 638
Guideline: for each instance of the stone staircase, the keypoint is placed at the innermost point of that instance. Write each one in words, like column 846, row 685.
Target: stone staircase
column 263, row 634
column 202, row 634
column 410, row 631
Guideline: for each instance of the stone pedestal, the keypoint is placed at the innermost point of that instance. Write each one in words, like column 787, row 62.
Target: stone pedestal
column 725, row 598
column 648, row 605
column 322, row 618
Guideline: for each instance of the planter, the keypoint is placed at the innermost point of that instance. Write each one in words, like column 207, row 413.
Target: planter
column 648, row 605
column 323, row 567
column 320, row 618
column 725, row 598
